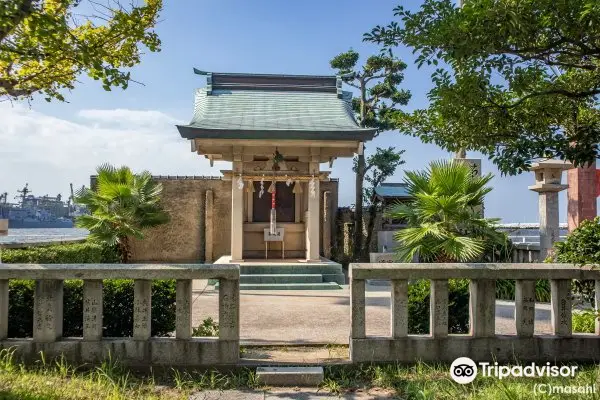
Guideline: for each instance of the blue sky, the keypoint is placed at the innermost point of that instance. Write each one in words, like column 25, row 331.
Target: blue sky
column 50, row 145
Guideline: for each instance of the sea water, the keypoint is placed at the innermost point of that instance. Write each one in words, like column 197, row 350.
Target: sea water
column 34, row 235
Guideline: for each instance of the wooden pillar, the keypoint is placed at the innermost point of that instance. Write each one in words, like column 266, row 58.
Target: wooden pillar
column 313, row 220
column 237, row 209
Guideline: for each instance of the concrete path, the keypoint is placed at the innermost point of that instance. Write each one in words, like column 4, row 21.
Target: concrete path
column 323, row 316
column 287, row 393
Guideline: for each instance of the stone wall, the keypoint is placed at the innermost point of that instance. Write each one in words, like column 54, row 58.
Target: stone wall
column 183, row 238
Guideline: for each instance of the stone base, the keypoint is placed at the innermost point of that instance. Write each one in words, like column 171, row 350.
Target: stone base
column 290, row 376
column 544, row 348
column 169, row 352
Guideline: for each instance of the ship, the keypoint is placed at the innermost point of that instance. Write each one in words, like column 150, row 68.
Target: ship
column 39, row 211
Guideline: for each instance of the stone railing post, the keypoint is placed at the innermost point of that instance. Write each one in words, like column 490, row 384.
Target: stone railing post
column 3, row 309
column 399, row 308
column 92, row 309
column 525, row 307
column 561, row 307
column 438, row 308
column 142, row 309
column 482, row 307
column 357, row 309
column 48, row 310
column 183, row 316
column 229, row 309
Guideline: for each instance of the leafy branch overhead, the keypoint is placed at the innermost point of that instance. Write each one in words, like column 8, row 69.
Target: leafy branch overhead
column 518, row 81
column 45, row 45
column 378, row 81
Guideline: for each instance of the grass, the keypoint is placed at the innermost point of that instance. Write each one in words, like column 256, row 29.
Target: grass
column 57, row 380
column 53, row 380
column 423, row 381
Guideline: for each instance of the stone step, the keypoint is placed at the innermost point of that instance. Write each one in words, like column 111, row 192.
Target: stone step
column 281, row 278
column 287, row 269
column 290, row 286
column 290, row 376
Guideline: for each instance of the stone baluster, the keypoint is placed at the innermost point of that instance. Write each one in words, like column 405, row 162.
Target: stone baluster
column 92, row 309
column 183, row 316
column 438, row 308
column 482, row 307
column 3, row 309
column 399, row 308
column 561, row 307
column 597, row 305
column 142, row 309
column 48, row 310
column 357, row 309
column 229, row 309
column 524, row 307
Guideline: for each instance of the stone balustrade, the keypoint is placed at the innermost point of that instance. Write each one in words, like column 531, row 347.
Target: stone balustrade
column 141, row 350
column 482, row 343
column 526, row 253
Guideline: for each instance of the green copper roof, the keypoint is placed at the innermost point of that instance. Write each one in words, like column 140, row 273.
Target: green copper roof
column 235, row 106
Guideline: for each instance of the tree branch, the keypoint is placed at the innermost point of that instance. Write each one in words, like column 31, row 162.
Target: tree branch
column 23, row 11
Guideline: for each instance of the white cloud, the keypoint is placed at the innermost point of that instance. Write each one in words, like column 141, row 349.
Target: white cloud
column 49, row 152
column 127, row 118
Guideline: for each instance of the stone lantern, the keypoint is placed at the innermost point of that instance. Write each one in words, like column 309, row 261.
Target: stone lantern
column 548, row 183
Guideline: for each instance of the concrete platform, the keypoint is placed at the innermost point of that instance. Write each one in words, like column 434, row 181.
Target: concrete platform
column 290, row 376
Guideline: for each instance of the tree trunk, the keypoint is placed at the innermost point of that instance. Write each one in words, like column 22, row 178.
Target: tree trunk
column 124, row 250
column 358, row 209
column 371, row 226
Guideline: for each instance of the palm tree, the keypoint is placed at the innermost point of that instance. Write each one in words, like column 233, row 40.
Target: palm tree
column 445, row 219
column 121, row 206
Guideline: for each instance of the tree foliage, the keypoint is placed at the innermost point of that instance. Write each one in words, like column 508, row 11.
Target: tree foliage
column 45, row 45
column 444, row 219
column 517, row 80
column 380, row 97
column 121, row 206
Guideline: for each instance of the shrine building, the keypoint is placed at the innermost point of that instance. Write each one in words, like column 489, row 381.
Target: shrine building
column 276, row 130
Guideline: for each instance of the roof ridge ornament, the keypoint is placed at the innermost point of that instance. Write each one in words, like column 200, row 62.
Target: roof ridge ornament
column 208, row 79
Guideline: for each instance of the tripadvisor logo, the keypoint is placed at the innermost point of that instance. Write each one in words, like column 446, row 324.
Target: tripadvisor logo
column 463, row 370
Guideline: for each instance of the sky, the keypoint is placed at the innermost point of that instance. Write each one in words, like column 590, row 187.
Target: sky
column 50, row 145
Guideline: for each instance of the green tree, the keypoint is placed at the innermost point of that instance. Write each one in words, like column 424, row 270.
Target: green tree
column 377, row 82
column 46, row 45
column 516, row 80
column 379, row 167
column 444, row 219
column 121, row 205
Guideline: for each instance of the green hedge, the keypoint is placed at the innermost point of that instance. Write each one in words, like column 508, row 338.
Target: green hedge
column 117, row 302
column 88, row 252
column 418, row 306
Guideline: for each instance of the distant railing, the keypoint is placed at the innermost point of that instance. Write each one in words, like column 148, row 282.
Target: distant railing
column 526, row 253
column 141, row 350
column 482, row 343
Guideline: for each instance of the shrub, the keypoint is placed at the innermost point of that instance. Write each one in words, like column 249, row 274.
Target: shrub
column 117, row 303
column 209, row 327
column 584, row 322
column 505, row 290
column 88, row 252
column 582, row 246
column 418, row 306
